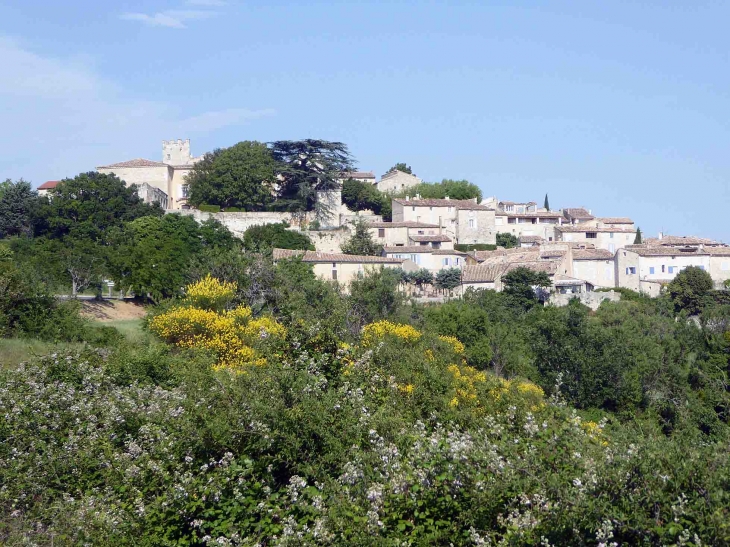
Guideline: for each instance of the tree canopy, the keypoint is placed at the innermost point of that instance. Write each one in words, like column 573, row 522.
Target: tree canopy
column 275, row 236
column 521, row 283
column 689, row 288
column 507, row 240
column 359, row 196
column 400, row 167
column 241, row 176
column 307, row 167
column 361, row 242
column 454, row 189
column 18, row 207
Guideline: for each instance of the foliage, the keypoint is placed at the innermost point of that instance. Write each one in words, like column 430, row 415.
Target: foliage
column 507, row 240
column 241, row 176
column 18, row 208
column 448, row 278
column 361, row 242
column 466, row 247
column 546, row 205
column 689, row 288
column 521, row 284
column 90, row 204
column 275, row 236
column 454, row 189
column 207, row 208
column 374, row 296
column 360, row 196
column 638, row 239
column 401, row 167
column 307, row 167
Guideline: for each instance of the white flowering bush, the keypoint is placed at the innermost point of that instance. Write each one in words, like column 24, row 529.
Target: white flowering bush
column 384, row 443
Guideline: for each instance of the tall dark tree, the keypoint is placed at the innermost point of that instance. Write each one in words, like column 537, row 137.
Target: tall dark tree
column 358, row 195
column 89, row 204
column 521, row 286
column 242, row 176
column 18, row 206
column 361, row 242
column 546, row 205
column 689, row 288
column 637, row 239
column 307, row 167
column 401, row 167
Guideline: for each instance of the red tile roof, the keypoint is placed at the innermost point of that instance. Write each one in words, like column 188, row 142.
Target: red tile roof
column 458, row 203
column 404, row 224
column 577, row 213
column 317, row 256
column 427, row 238
column 49, row 185
column 139, row 162
column 358, row 175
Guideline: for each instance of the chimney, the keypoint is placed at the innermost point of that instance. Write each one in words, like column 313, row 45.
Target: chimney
column 440, row 224
column 408, row 197
column 447, row 197
column 661, row 235
column 474, row 200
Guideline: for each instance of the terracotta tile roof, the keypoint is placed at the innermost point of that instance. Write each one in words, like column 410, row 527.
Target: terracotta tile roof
column 437, row 238
column 603, row 229
column 553, row 253
column 501, row 252
column 358, row 175
column 560, row 280
column 577, row 213
column 139, row 162
column 480, row 274
column 458, row 203
column 423, row 249
column 531, row 239
column 48, row 185
column 649, row 250
column 532, row 214
column 680, row 240
column 592, row 254
column 404, row 224
column 517, row 203
column 316, row 256
column 616, row 220
column 718, row 251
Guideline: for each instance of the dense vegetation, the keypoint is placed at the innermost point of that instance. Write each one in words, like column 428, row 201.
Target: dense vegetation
column 269, row 407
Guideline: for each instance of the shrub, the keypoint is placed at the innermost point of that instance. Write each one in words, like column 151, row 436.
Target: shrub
column 204, row 207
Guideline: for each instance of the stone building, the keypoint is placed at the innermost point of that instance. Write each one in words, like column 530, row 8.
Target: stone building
column 464, row 221
column 47, row 186
column 397, row 181
column 606, row 237
column 168, row 175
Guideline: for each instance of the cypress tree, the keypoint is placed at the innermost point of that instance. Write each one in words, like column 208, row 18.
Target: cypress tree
column 637, row 239
column 547, row 203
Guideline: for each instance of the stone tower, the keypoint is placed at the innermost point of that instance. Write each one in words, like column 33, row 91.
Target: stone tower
column 177, row 152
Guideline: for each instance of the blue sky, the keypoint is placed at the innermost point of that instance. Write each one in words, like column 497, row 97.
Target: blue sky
column 618, row 106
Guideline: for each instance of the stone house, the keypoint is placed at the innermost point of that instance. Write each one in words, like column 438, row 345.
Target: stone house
column 595, row 266
column 577, row 215
column 360, row 176
column 47, row 186
column 397, row 234
column 645, row 267
column 339, row 267
column 425, row 256
column 540, row 224
column 610, row 238
column 167, row 175
column 719, row 265
column 397, row 181
column 464, row 221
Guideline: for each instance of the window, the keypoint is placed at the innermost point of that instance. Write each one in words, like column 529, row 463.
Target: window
column 334, row 264
column 381, row 232
column 458, row 261
column 449, row 208
column 471, row 223
column 663, row 269
column 184, row 191
column 701, row 267
column 334, row 275
column 611, row 235
column 430, row 208
column 591, row 235
column 511, row 221
column 446, row 262
column 168, row 157
column 630, row 271
column 611, row 247
column 413, row 208
column 651, row 270
column 421, row 232
column 671, row 269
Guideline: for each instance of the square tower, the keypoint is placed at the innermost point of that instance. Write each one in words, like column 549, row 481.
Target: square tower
column 176, row 152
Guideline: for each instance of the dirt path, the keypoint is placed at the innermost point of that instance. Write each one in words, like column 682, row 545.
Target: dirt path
column 112, row 310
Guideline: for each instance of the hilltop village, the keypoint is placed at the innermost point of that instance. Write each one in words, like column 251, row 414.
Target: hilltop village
column 579, row 249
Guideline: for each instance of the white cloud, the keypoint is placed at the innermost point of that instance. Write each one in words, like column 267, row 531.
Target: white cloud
column 169, row 18
column 60, row 117
column 210, row 121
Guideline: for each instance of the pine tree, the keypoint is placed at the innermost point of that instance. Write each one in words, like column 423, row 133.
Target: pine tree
column 361, row 242
column 637, row 239
column 547, row 203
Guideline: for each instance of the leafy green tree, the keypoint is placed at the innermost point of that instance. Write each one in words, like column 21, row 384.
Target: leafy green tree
column 241, row 176
column 546, row 205
column 374, row 296
column 401, row 167
column 307, row 167
column 689, row 288
column 507, row 240
column 454, row 189
column 361, row 242
column 521, row 283
column 637, row 239
column 358, row 196
column 422, row 277
column 448, row 278
column 275, row 236
column 91, row 203
column 18, row 208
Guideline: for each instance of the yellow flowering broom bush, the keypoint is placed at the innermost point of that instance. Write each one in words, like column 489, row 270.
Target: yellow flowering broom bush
column 375, row 332
column 210, row 293
column 232, row 335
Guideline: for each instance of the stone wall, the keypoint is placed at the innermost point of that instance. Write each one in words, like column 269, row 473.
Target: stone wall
column 591, row 299
column 238, row 223
column 328, row 241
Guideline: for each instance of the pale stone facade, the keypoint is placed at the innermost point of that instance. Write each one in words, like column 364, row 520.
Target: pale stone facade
column 597, row 266
column 397, row 181
column 638, row 265
column 434, row 260
column 609, row 238
column 528, row 224
column 168, row 175
column 396, row 234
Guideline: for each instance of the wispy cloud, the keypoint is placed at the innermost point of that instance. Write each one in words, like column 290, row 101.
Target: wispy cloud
column 169, row 18
column 81, row 119
column 210, row 121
